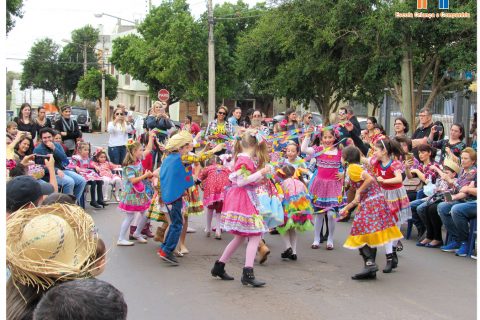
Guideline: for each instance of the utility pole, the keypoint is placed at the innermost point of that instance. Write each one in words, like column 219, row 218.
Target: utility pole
column 211, row 64
column 84, row 58
column 104, row 108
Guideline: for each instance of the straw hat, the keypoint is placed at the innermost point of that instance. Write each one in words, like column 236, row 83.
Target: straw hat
column 49, row 244
column 179, row 140
column 452, row 164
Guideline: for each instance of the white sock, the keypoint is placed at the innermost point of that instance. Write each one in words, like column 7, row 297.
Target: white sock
column 293, row 240
column 389, row 247
column 125, row 225
column 141, row 222
column 318, row 227
column 286, row 240
column 209, row 216
column 331, row 226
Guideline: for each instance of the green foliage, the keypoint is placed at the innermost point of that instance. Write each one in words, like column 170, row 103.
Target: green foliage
column 14, row 9
column 71, row 59
column 90, row 86
column 41, row 69
column 171, row 51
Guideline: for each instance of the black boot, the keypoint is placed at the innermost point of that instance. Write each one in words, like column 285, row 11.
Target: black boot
column 249, row 278
column 287, row 253
column 100, row 194
column 219, row 271
column 388, row 268
column 370, row 268
column 93, row 194
column 394, row 258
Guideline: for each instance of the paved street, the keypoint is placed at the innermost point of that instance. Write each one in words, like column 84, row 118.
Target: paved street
column 428, row 284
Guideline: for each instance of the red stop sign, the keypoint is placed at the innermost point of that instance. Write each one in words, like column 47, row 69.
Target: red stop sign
column 163, row 95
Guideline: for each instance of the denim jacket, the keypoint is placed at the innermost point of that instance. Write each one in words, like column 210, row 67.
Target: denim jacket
column 61, row 160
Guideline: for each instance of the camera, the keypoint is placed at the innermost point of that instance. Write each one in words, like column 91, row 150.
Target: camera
column 40, row 159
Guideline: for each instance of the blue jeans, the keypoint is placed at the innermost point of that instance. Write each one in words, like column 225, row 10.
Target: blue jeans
column 117, row 154
column 72, row 183
column 417, row 219
column 462, row 213
column 446, row 216
column 420, row 208
column 175, row 229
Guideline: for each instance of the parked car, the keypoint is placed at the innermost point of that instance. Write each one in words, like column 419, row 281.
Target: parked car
column 53, row 116
column 82, row 116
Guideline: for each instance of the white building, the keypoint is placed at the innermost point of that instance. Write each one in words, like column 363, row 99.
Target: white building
column 35, row 97
column 130, row 92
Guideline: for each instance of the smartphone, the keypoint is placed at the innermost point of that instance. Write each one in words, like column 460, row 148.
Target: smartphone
column 40, row 159
column 447, row 196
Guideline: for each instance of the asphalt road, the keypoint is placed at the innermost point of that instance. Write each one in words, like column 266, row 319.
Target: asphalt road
column 428, row 283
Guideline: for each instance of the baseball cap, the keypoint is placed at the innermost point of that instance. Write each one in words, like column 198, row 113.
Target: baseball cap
column 25, row 189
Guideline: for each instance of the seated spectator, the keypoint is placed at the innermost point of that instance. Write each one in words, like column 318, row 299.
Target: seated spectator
column 427, row 207
column 57, row 137
column 12, row 131
column 71, row 182
column 23, row 148
column 467, row 175
column 462, row 213
column 82, row 299
column 451, row 146
column 81, row 162
column 45, row 246
column 25, row 191
column 425, row 172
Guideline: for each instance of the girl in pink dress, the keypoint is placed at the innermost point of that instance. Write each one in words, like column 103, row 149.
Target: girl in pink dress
column 105, row 169
column 388, row 173
column 326, row 185
column 297, row 207
column 214, row 179
column 82, row 164
column 240, row 214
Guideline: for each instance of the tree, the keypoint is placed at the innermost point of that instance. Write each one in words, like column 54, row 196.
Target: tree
column 72, row 61
column 14, row 9
column 438, row 50
column 171, row 52
column 41, row 69
column 90, row 86
column 296, row 53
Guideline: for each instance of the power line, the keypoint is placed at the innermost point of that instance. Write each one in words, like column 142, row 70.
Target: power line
column 57, row 62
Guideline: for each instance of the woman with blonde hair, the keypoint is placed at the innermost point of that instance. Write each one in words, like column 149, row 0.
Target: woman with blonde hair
column 118, row 135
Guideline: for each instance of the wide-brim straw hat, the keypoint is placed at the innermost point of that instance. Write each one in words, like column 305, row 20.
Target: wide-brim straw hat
column 51, row 243
column 452, row 164
column 179, row 140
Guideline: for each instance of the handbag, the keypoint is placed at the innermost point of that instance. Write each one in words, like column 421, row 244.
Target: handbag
column 413, row 184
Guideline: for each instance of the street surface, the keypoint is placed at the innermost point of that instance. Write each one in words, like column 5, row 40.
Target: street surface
column 428, row 284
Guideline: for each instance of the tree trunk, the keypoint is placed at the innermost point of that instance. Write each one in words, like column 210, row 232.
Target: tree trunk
column 74, row 96
column 204, row 114
column 407, row 90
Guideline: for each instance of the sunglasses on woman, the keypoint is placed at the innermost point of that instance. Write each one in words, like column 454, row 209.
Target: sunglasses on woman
column 119, row 114
column 221, row 113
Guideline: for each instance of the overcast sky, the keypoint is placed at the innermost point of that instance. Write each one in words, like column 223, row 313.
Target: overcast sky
column 56, row 19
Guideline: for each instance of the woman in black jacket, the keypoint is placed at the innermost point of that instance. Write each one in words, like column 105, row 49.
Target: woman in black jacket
column 68, row 128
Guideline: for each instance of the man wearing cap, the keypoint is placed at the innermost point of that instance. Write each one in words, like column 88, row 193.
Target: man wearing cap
column 71, row 182
column 25, row 191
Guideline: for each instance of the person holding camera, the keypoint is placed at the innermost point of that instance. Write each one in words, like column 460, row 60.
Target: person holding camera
column 453, row 146
column 71, row 182
column 118, row 131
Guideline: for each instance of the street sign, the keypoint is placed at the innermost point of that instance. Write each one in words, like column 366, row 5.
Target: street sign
column 163, row 95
